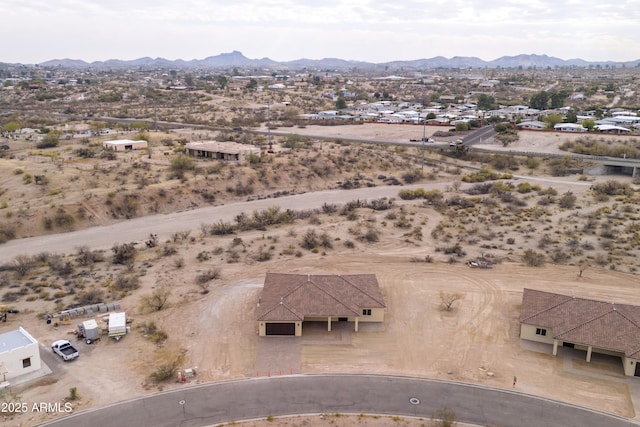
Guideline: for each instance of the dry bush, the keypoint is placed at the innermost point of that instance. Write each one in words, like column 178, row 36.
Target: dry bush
column 207, row 276
column 23, row 264
column 123, row 253
column 155, row 301
column 151, row 332
column 126, row 282
column 85, row 256
column 533, row 258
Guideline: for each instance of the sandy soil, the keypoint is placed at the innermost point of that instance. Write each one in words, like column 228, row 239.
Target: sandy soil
column 478, row 337
column 477, row 342
column 529, row 141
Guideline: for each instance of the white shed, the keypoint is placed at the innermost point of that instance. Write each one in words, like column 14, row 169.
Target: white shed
column 19, row 354
column 125, row 145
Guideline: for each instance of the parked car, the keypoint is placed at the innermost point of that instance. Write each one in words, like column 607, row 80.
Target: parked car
column 65, row 350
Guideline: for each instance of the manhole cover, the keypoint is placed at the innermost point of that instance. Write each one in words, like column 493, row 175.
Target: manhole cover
column 414, row 401
column 182, row 402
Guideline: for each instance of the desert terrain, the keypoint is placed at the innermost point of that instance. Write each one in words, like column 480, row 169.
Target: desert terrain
column 210, row 325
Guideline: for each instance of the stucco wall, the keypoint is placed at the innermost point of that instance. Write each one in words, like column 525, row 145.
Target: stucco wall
column 528, row 332
column 377, row 315
column 12, row 360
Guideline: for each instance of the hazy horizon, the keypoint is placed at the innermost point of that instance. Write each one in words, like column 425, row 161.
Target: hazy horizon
column 284, row 30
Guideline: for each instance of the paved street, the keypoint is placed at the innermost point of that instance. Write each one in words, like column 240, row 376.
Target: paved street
column 346, row 394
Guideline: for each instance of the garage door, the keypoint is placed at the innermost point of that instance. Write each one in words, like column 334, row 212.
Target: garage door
column 281, row 328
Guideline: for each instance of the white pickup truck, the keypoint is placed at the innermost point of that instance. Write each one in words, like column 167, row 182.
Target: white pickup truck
column 64, row 349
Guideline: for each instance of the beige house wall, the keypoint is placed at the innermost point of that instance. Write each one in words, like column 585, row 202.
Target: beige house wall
column 629, row 366
column 377, row 315
column 528, row 332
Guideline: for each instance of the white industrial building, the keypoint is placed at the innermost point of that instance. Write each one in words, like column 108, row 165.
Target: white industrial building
column 19, row 354
column 125, row 145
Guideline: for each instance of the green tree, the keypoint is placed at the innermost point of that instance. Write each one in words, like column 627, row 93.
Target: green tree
column 48, row 141
column 589, row 124
column 253, row 83
column 341, row 103
column 222, row 81
column 11, row 128
column 552, row 119
column 182, row 163
column 557, row 99
column 539, row 100
column 486, row 102
column 572, row 116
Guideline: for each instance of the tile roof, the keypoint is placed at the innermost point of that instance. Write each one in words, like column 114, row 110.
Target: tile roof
column 583, row 321
column 294, row 296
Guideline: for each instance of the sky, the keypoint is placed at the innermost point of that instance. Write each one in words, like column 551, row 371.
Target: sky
column 34, row 31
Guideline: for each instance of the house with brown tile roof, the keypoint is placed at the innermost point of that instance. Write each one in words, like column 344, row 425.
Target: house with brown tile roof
column 583, row 324
column 288, row 300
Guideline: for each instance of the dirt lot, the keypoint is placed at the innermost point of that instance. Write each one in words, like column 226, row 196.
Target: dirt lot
column 479, row 336
column 477, row 342
column 529, row 141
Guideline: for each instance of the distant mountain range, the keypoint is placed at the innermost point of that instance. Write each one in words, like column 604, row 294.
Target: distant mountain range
column 237, row 59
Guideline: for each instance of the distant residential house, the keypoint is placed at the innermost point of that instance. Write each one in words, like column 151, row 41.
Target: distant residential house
column 124, row 145
column 583, row 324
column 231, row 151
column 612, row 129
column 569, row 127
column 534, row 124
column 289, row 300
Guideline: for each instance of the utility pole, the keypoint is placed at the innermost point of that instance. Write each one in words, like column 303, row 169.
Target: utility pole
column 269, row 124
column 424, row 137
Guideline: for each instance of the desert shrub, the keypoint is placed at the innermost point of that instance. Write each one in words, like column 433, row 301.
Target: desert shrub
column 168, row 250
column 63, row 219
column 612, row 188
column 263, row 255
column 533, row 258
column 329, row 208
column 181, row 164
column 222, row 228
column 85, row 256
column 90, row 296
column 151, row 332
column 568, row 200
column 524, row 187
column 485, row 174
column 310, row 240
column 165, row 371
column 444, row 417
column 381, row 204
column 23, row 264
column 157, row 300
column 207, row 276
column 6, row 234
column 48, row 141
column 370, row 236
column 123, row 253
column 126, row 282
column 455, row 249
column 412, row 176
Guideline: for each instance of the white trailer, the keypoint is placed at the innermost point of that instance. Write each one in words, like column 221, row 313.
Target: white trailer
column 89, row 330
column 117, row 325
